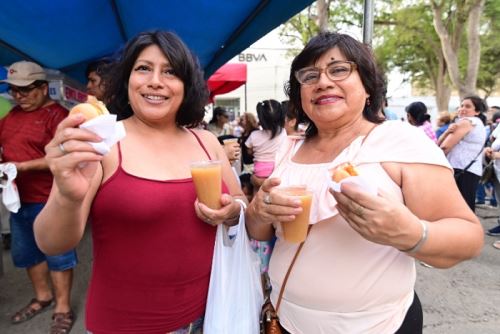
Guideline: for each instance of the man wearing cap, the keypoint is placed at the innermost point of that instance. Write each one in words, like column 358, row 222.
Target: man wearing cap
column 24, row 132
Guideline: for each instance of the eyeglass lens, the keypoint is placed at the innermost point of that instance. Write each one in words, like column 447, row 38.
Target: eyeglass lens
column 335, row 72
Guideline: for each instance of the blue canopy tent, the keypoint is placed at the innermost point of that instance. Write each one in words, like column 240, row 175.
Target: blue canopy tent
column 67, row 34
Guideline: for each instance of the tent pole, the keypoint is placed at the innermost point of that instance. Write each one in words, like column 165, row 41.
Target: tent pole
column 368, row 22
column 246, row 104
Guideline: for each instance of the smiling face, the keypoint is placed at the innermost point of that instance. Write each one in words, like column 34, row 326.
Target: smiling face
column 467, row 109
column 333, row 103
column 155, row 92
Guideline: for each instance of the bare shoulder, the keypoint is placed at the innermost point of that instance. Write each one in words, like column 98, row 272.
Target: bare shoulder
column 208, row 139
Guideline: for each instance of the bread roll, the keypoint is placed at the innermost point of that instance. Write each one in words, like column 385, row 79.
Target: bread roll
column 344, row 171
column 90, row 109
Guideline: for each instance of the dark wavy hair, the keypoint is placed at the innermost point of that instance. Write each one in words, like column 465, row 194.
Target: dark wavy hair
column 185, row 65
column 480, row 106
column 357, row 52
column 418, row 111
column 271, row 116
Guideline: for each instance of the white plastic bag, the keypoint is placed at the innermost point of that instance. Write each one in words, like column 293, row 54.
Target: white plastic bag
column 235, row 292
column 10, row 195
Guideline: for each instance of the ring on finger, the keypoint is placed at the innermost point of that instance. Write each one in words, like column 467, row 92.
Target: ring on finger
column 359, row 211
column 61, row 148
column 267, row 198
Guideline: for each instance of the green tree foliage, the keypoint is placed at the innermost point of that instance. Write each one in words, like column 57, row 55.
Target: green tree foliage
column 489, row 68
column 405, row 38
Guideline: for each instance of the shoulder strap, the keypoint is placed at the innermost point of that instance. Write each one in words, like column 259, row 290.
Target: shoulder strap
column 477, row 155
column 200, row 142
column 287, row 275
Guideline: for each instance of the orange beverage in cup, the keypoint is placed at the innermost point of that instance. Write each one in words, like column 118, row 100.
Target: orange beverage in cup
column 207, row 179
column 296, row 230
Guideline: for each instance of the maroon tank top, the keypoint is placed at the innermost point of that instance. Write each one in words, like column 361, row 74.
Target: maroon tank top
column 152, row 255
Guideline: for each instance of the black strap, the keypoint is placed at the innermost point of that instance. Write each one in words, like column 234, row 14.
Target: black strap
column 477, row 155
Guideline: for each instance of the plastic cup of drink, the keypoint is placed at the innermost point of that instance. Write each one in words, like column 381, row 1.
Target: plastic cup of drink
column 296, row 231
column 230, row 141
column 207, row 179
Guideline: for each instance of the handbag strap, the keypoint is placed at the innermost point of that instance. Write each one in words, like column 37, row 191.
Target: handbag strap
column 477, row 155
column 287, row 275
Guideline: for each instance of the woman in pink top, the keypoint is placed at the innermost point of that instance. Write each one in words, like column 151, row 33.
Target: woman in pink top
column 152, row 240
column 356, row 270
column 417, row 115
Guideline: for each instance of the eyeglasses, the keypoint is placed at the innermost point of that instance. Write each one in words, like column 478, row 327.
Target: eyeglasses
column 23, row 91
column 336, row 71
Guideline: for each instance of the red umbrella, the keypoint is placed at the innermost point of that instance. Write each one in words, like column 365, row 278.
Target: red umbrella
column 227, row 78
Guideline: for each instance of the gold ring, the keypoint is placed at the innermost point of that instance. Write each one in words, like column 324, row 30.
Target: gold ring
column 358, row 211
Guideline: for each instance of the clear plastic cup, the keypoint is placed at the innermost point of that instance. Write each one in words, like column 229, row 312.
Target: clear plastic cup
column 296, row 231
column 207, row 179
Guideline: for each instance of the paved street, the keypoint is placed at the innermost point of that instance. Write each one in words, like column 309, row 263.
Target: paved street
column 461, row 300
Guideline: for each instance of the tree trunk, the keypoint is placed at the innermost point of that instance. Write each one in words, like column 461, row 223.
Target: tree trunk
column 323, row 14
column 450, row 44
column 474, row 48
column 443, row 89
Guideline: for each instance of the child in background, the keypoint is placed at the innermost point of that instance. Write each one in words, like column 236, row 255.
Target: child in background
column 263, row 144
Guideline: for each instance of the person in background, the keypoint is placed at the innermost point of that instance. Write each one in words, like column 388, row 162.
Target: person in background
column 482, row 189
column 140, row 197
column 219, row 124
column 388, row 113
column 443, row 122
column 24, row 133
column 94, row 73
column 417, row 115
column 263, row 144
column 250, row 124
column 356, row 270
column 463, row 144
column 291, row 124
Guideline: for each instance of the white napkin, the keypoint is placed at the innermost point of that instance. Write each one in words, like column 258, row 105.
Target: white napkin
column 10, row 195
column 107, row 128
column 359, row 180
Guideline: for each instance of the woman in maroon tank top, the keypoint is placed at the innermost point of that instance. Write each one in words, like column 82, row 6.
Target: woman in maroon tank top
column 152, row 240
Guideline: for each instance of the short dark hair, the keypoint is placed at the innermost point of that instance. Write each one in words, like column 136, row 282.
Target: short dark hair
column 99, row 66
column 218, row 111
column 353, row 50
column 418, row 112
column 184, row 63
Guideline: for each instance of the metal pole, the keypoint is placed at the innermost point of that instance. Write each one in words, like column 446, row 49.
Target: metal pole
column 246, row 104
column 368, row 22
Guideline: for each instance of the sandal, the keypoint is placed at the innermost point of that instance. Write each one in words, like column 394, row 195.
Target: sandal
column 28, row 312
column 62, row 322
column 496, row 244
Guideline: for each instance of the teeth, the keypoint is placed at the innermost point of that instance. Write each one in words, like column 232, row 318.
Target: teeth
column 155, row 97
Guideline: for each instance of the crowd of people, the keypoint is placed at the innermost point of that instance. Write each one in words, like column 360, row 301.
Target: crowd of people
column 355, row 271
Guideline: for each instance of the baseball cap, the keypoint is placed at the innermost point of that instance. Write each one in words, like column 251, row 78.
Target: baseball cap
column 24, row 73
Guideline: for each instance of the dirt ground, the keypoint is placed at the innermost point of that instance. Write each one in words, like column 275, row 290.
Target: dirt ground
column 461, row 300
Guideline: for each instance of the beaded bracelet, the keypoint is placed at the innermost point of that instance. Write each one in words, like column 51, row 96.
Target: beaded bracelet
column 422, row 240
